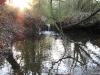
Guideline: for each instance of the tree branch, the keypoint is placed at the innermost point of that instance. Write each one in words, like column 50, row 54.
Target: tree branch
column 89, row 17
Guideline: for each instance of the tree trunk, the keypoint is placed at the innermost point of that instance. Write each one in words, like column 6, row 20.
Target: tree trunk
column 81, row 24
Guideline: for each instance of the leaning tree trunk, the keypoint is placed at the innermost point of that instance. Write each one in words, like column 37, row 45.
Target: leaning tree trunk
column 81, row 24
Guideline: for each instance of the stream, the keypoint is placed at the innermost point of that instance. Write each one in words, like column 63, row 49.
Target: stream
column 50, row 53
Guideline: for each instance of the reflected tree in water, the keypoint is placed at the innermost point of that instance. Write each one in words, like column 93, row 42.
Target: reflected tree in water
column 15, row 65
column 37, row 58
column 81, row 58
column 32, row 54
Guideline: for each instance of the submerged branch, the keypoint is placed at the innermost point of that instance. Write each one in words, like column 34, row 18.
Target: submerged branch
column 66, row 58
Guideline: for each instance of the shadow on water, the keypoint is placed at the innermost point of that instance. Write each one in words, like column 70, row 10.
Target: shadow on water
column 77, row 53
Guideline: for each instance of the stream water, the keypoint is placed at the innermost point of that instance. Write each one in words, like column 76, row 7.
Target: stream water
column 77, row 53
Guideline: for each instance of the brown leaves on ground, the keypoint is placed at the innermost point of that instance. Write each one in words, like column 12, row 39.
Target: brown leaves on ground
column 14, row 22
column 9, row 27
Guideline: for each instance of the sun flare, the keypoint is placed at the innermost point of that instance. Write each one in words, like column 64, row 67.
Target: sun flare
column 20, row 3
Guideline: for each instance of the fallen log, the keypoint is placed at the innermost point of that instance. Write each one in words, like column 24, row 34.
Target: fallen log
column 81, row 26
column 93, row 14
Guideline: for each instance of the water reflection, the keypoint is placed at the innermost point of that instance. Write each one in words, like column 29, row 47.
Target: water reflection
column 53, row 55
